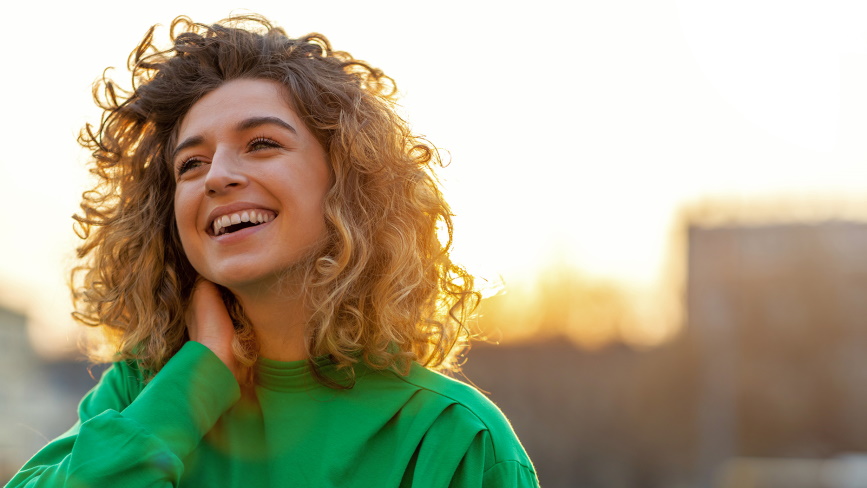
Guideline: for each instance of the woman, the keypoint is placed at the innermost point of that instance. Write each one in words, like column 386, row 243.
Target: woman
column 261, row 255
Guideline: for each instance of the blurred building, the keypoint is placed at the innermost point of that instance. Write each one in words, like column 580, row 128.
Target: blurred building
column 37, row 399
column 778, row 316
column 766, row 384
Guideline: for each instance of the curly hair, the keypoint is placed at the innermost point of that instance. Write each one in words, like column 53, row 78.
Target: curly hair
column 383, row 289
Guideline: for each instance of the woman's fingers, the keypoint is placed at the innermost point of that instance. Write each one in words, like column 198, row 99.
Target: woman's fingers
column 209, row 322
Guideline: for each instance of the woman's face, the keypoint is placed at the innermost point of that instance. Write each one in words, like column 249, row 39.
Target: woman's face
column 251, row 184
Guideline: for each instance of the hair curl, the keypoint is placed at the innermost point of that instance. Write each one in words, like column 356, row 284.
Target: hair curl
column 383, row 289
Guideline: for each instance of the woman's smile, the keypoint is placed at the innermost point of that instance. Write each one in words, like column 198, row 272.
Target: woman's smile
column 229, row 219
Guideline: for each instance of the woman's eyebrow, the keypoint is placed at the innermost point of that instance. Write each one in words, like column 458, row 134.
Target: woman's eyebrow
column 254, row 122
column 190, row 141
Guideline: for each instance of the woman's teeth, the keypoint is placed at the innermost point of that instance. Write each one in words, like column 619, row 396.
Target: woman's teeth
column 223, row 223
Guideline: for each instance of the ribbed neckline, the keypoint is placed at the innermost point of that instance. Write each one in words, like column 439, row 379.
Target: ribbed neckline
column 296, row 375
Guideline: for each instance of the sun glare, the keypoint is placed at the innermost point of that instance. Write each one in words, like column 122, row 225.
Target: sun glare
column 567, row 171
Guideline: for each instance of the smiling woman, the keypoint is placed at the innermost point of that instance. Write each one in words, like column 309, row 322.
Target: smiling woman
column 242, row 154
column 262, row 258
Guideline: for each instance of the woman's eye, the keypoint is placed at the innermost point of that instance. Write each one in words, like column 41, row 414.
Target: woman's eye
column 260, row 143
column 189, row 164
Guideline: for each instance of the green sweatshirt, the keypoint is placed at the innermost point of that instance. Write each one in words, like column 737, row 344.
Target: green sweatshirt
column 191, row 426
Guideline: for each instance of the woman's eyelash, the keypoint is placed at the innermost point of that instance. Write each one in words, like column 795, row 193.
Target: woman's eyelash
column 263, row 141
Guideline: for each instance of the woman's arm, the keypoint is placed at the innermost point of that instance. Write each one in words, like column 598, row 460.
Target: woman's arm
column 133, row 435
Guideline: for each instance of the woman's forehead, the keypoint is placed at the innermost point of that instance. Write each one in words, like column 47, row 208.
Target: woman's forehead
column 239, row 100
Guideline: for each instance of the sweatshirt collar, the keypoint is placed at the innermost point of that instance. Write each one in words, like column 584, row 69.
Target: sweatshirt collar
column 298, row 375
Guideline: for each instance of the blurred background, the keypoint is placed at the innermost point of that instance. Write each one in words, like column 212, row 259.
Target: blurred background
column 667, row 202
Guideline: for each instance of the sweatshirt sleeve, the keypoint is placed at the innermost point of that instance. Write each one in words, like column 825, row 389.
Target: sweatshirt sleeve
column 510, row 474
column 480, row 468
column 128, row 435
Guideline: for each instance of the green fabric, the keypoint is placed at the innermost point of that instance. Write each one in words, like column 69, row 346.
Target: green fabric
column 192, row 426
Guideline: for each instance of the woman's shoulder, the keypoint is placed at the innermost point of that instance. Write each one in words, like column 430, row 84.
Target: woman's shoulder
column 464, row 410
column 459, row 392
column 464, row 428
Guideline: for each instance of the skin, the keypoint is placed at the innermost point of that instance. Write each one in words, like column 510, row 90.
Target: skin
column 242, row 147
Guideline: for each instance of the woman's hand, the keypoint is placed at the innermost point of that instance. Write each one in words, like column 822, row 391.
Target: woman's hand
column 209, row 323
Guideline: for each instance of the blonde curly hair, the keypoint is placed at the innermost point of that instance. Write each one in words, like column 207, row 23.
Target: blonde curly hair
column 384, row 289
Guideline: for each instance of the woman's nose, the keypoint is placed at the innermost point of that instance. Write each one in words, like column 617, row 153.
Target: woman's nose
column 224, row 173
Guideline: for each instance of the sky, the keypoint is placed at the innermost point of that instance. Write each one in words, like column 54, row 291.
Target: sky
column 577, row 131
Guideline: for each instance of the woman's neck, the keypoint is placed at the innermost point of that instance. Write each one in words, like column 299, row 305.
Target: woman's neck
column 279, row 316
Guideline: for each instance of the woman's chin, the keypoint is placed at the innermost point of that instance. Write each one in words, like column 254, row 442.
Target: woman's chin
column 239, row 284
column 247, row 281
